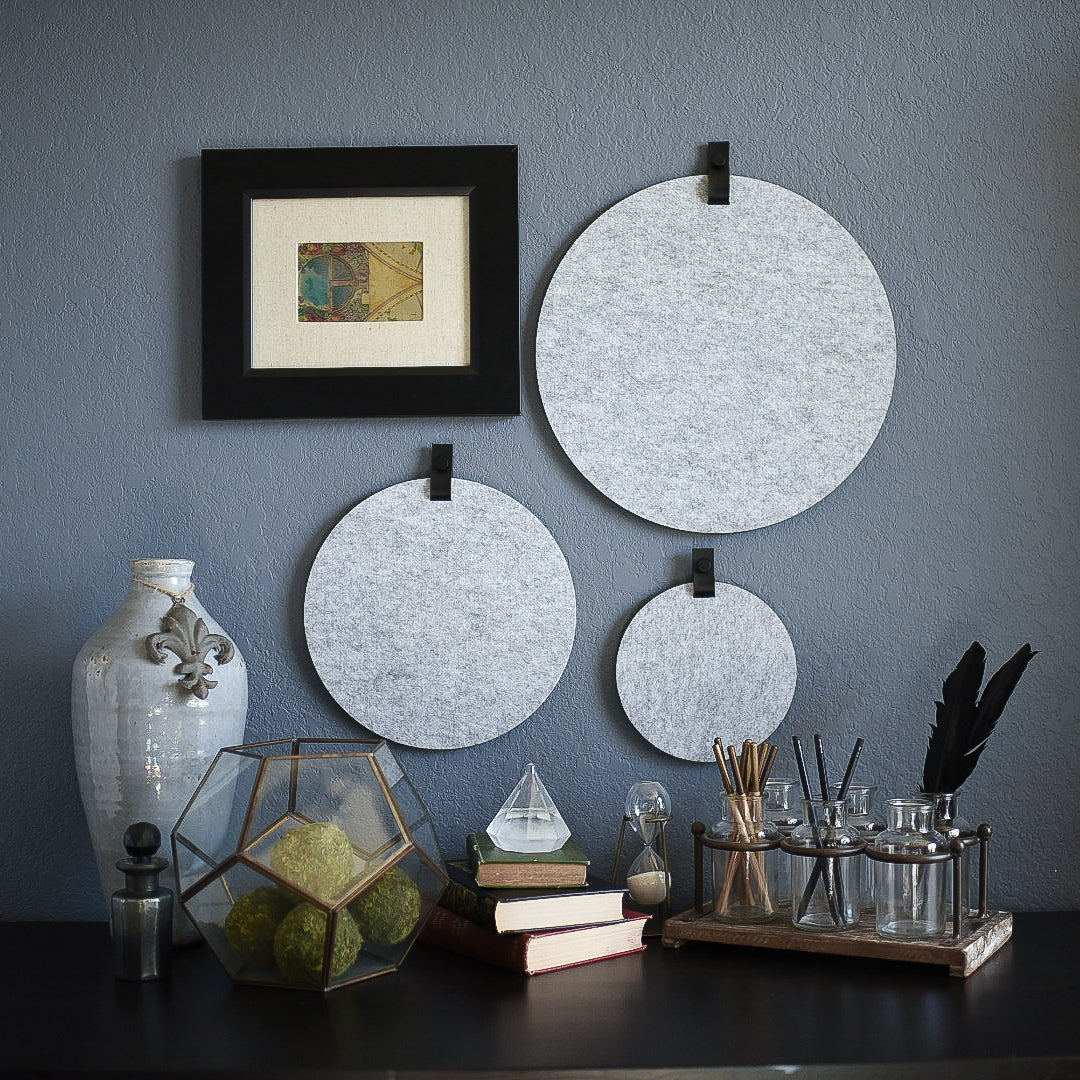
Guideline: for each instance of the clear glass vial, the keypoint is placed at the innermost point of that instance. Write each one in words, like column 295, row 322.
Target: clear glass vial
column 825, row 854
column 745, row 850
column 910, row 896
column 950, row 824
column 783, row 809
column 867, row 821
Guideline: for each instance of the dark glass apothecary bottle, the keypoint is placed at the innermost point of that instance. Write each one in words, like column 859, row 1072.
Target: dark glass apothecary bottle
column 141, row 912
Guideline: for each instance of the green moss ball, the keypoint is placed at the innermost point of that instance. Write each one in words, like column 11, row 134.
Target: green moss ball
column 389, row 909
column 253, row 921
column 300, row 944
column 316, row 858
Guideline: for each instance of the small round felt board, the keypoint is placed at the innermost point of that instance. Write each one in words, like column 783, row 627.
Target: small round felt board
column 440, row 624
column 715, row 369
column 691, row 668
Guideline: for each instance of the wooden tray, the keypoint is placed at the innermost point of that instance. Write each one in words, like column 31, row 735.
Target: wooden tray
column 979, row 940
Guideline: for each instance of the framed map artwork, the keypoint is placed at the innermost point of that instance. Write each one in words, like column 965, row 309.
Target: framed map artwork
column 360, row 281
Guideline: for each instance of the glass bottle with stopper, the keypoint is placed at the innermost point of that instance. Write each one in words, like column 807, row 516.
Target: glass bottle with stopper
column 141, row 912
column 529, row 821
column 648, row 810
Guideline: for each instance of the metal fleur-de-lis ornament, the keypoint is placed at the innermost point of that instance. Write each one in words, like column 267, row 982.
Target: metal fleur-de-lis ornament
column 185, row 634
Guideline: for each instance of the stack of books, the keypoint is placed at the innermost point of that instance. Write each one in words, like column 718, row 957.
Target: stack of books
column 531, row 912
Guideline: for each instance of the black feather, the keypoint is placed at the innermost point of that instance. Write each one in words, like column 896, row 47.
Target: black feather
column 955, row 718
column 964, row 723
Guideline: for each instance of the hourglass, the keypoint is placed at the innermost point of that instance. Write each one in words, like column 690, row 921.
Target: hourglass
column 648, row 810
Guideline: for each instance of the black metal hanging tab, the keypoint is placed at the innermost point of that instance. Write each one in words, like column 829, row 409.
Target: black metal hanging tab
column 442, row 470
column 719, row 174
column 704, row 577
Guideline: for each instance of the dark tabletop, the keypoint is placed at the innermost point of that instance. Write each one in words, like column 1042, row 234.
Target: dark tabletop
column 701, row 1010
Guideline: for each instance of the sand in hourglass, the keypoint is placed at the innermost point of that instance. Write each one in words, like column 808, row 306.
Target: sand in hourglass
column 649, row 887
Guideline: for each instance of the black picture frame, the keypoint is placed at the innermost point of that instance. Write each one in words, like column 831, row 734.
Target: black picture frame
column 489, row 384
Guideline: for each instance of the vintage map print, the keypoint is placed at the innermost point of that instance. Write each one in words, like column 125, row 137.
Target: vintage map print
column 361, row 282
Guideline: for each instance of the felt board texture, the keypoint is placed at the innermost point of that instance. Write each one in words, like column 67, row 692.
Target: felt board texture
column 741, row 356
column 691, row 668
column 439, row 623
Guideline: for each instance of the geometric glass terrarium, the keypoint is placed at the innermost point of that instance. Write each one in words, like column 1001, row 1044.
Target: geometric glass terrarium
column 326, row 870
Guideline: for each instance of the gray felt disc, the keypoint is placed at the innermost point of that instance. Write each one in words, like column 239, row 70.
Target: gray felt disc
column 693, row 668
column 440, row 624
column 715, row 368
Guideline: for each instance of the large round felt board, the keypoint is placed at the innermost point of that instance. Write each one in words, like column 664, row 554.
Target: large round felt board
column 691, row 668
column 718, row 368
column 440, row 624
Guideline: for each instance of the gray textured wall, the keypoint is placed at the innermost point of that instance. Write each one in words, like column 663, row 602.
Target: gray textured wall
column 944, row 136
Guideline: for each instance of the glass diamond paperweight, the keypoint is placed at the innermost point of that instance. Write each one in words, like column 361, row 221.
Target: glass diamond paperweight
column 529, row 820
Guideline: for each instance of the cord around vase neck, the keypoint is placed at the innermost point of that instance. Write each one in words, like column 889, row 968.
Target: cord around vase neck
column 179, row 597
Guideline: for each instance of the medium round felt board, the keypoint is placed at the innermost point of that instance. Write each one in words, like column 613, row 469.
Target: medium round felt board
column 440, row 624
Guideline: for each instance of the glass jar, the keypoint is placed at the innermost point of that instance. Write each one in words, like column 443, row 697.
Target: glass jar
column 950, row 824
column 909, row 895
column 744, row 857
column 824, row 868
column 783, row 809
column 867, row 822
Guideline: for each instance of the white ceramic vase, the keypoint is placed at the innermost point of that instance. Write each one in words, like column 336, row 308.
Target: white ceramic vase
column 155, row 693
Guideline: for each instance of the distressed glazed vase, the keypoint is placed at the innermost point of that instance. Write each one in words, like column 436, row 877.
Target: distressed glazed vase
column 155, row 693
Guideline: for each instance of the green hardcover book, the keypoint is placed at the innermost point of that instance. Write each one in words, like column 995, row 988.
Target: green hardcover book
column 565, row 867
column 514, row 910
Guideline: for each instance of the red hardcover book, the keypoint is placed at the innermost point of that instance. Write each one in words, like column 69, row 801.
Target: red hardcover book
column 537, row 951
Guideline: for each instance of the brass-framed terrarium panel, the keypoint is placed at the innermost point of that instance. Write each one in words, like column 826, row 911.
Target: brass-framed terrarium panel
column 388, row 791
column 288, row 885
column 329, row 938
column 275, row 824
column 253, row 803
column 407, row 828
column 204, row 882
column 294, row 759
column 402, row 839
column 199, row 794
column 294, row 755
column 296, row 747
column 211, row 863
column 408, row 849
column 390, row 844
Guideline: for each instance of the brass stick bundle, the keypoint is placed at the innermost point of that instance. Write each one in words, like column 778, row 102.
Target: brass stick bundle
column 744, row 777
